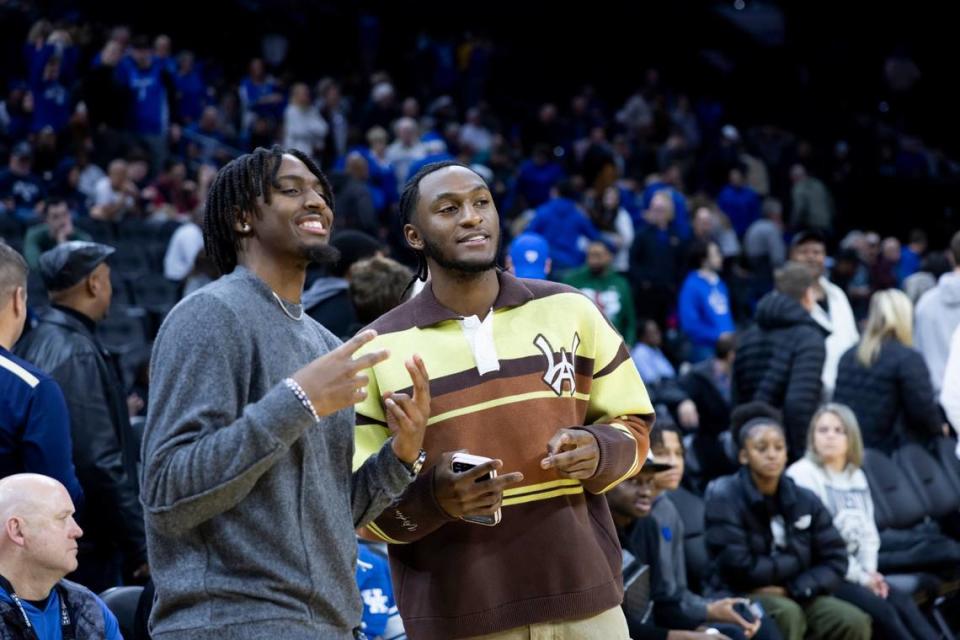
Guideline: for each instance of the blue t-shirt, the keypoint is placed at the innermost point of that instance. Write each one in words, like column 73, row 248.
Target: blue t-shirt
column 51, row 106
column 534, row 181
column 46, row 622
column 34, row 425
column 566, row 229
column 191, row 95
column 150, row 114
column 742, row 206
column 252, row 92
column 704, row 308
column 26, row 191
column 380, row 616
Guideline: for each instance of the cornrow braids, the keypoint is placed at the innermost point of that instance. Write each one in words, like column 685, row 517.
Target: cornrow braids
column 409, row 199
column 236, row 189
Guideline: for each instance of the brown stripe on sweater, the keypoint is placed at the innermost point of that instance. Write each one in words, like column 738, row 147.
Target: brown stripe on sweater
column 520, row 449
column 622, row 356
column 499, row 388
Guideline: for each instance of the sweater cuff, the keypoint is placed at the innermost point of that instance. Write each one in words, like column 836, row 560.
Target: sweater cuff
column 286, row 416
column 618, row 457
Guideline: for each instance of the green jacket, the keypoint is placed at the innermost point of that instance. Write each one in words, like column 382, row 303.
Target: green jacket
column 611, row 292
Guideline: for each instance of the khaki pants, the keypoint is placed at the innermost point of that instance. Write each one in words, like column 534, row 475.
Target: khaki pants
column 609, row 625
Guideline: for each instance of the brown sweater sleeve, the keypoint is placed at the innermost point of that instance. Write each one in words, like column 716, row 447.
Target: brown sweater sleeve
column 415, row 515
column 623, row 443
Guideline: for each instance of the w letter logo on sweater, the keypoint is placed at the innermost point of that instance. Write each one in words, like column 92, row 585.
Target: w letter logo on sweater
column 562, row 370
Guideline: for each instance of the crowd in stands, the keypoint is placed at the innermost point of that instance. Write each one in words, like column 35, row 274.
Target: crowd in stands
column 806, row 375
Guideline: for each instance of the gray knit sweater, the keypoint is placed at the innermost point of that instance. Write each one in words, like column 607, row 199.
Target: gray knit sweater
column 250, row 505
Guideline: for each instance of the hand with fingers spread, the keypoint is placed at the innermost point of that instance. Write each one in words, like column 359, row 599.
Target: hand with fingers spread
column 464, row 494
column 407, row 417
column 574, row 453
column 334, row 382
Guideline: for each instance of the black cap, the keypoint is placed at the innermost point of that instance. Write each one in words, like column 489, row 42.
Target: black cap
column 652, row 466
column 69, row 263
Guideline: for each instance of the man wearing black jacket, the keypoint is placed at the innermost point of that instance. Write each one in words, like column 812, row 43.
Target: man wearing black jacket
column 780, row 358
column 64, row 344
column 630, row 504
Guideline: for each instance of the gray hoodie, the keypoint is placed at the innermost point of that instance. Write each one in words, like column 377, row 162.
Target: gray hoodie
column 250, row 504
column 937, row 315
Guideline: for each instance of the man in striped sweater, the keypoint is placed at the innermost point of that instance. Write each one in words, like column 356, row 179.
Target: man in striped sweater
column 530, row 374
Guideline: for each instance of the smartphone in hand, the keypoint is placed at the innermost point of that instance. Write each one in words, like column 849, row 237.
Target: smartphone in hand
column 464, row 462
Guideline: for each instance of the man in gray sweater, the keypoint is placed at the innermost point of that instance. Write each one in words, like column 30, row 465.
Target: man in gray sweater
column 248, row 494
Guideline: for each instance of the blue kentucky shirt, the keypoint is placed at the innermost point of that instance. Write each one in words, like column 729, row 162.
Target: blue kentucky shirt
column 46, row 621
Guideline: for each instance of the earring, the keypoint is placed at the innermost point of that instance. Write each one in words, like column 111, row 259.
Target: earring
column 245, row 227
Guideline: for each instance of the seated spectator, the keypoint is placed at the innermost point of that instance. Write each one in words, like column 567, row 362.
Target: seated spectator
column 564, row 226
column 381, row 620
column 377, row 285
column 538, row 176
column 631, row 503
column 812, row 206
column 38, row 547
column 704, row 305
column 763, row 244
column 304, row 128
column 354, row 197
column 21, row 191
column 529, row 257
column 56, row 228
column 608, row 289
column 656, row 259
column 883, row 378
column 116, row 194
column 884, row 272
column 707, row 385
column 173, row 195
column 34, row 422
column 405, row 149
column 831, row 470
column 666, row 445
column 912, row 255
column 616, row 226
column 327, row 298
column 652, row 364
column 775, row 541
column 739, row 201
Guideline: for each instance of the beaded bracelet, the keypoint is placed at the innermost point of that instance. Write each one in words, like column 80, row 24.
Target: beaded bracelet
column 298, row 391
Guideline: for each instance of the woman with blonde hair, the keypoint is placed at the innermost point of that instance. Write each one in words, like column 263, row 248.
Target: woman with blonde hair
column 885, row 381
column 831, row 470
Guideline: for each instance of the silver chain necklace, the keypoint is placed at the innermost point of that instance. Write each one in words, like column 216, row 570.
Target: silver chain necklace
column 283, row 307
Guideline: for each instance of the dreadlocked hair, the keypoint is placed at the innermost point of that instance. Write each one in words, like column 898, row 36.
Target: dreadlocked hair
column 409, row 199
column 236, row 189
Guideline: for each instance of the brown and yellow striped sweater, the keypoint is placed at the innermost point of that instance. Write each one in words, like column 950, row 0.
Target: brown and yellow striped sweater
column 555, row 553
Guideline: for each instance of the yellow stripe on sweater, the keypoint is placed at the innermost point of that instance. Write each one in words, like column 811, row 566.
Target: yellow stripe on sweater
column 568, row 491
column 499, row 402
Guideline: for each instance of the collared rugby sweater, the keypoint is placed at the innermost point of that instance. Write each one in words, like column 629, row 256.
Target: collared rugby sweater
column 556, row 363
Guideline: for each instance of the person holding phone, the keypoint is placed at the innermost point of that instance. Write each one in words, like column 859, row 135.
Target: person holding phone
column 529, row 374
column 775, row 541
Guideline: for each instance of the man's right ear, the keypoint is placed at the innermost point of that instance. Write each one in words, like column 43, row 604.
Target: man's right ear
column 742, row 457
column 412, row 236
column 20, row 301
column 242, row 224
